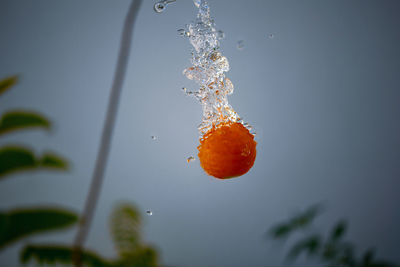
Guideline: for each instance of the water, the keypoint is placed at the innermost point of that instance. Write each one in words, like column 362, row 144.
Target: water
column 197, row 3
column 209, row 69
column 182, row 32
column 240, row 45
column 161, row 5
column 220, row 35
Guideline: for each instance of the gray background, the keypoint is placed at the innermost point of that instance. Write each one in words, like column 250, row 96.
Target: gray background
column 323, row 95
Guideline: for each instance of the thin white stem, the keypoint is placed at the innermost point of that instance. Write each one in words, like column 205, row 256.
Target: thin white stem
column 105, row 143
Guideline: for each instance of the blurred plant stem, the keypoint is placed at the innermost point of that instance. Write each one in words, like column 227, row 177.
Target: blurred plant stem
column 105, row 143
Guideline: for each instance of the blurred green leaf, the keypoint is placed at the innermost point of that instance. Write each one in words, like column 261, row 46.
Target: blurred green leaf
column 19, row 223
column 280, row 231
column 7, row 83
column 142, row 257
column 18, row 158
column 304, row 219
column 15, row 120
column 310, row 245
column 299, row 221
column 368, row 257
column 329, row 252
column 53, row 161
column 56, row 254
column 381, row 264
column 125, row 229
column 339, row 254
column 338, row 231
column 346, row 254
column 15, row 159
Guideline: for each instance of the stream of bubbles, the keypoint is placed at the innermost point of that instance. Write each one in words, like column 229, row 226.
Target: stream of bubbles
column 208, row 71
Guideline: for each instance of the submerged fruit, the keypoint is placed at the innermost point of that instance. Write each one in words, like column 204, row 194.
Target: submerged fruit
column 227, row 151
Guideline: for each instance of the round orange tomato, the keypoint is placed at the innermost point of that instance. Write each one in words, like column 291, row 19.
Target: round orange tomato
column 227, row 151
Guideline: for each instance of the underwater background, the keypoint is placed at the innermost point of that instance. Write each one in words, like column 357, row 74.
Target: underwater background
column 319, row 82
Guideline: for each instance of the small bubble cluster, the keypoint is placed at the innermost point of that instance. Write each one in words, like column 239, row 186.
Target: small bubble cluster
column 208, row 70
column 190, row 159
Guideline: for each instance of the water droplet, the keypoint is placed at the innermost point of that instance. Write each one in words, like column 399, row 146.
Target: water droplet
column 160, row 6
column 271, row 36
column 240, row 45
column 223, row 64
column 149, row 212
column 190, row 159
column 153, row 137
column 228, row 86
column 184, row 33
column 215, row 55
column 220, row 35
column 197, row 3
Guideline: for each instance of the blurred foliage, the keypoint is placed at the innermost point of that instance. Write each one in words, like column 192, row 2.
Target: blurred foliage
column 125, row 227
column 125, row 231
column 55, row 254
column 298, row 221
column 331, row 251
column 18, row 119
column 7, row 83
column 143, row 256
column 17, row 224
column 20, row 223
column 19, row 158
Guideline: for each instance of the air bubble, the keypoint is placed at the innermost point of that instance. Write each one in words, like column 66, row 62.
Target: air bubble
column 190, row 159
column 197, row 3
column 182, row 32
column 228, row 86
column 220, row 35
column 271, row 36
column 153, row 137
column 161, row 5
column 240, row 45
column 149, row 212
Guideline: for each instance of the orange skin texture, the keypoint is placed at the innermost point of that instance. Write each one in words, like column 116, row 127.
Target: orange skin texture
column 227, row 151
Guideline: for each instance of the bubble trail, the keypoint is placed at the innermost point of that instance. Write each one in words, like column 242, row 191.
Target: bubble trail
column 227, row 148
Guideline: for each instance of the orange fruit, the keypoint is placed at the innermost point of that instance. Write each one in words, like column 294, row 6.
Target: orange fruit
column 227, row 151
